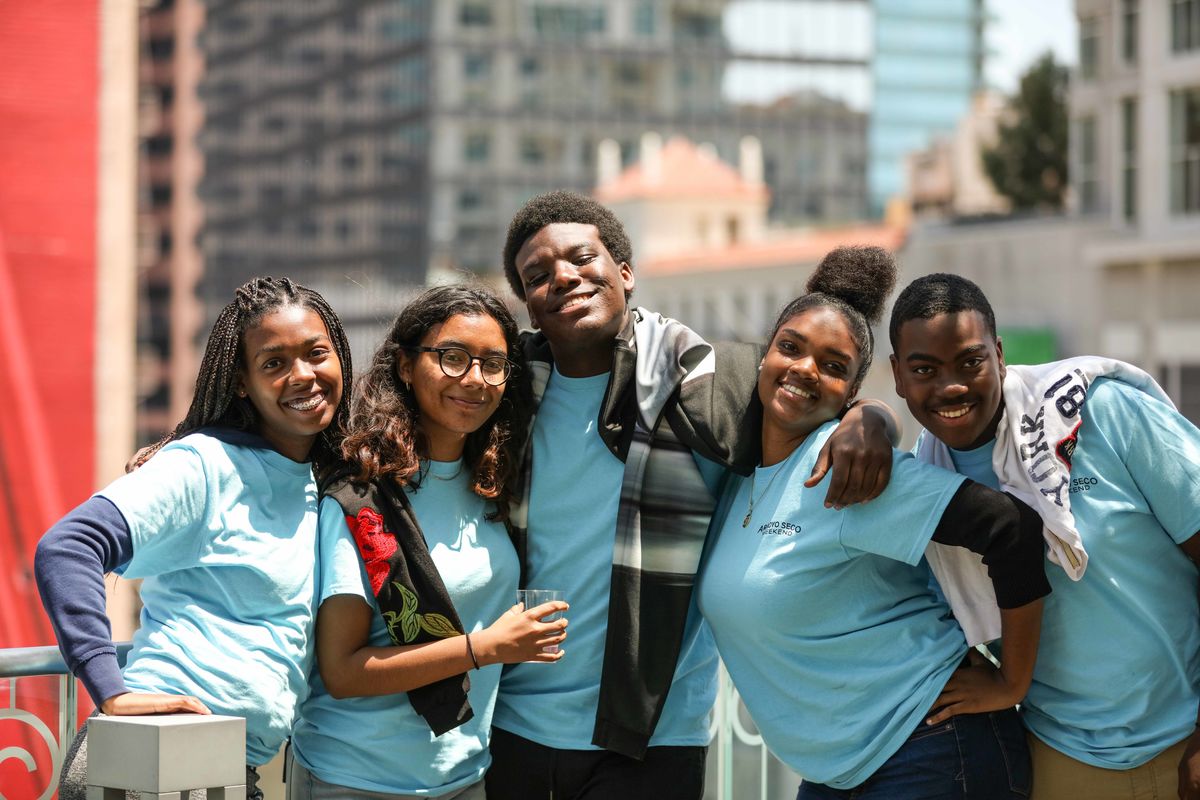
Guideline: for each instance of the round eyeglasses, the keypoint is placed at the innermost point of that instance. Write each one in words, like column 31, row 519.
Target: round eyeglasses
column 456, row 362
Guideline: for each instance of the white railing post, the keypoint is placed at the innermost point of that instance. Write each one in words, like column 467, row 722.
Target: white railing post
column 165, row 757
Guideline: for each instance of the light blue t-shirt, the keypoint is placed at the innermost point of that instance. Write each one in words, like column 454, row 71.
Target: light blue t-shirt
column 381, row 744
column 825, row 619
column 1117, row 679
column 572, row 533
column 225, row 537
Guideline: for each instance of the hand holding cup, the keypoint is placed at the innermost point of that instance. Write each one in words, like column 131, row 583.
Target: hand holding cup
column 529, row 631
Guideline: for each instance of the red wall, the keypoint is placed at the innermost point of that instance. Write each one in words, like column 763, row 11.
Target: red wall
column 49, row 84
column 48, row 147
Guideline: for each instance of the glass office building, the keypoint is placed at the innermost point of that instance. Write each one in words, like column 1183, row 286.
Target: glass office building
column 927, row 62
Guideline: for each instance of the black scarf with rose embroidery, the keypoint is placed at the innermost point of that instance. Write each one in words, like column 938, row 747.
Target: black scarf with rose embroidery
column 412, row 598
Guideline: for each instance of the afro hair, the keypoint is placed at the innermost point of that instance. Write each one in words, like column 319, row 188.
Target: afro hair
column 561, row 206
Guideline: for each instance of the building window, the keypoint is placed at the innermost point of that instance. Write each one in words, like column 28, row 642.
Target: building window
column 697, row 27
column 531, row 66
column 475, row 15
column 569, row 22
column 1089, row 47
column 477, row 66
column 629, row 74
column 644, row 19
column 160, row 194
column 476, row 148
column 1129, row 30
column 1086, row 171
column 310, row 56
column 1129, row 157
column 308, row 228
column 271, row 195
column 1185, row 25
column 162, row 49
column 470, row 200
column 159, row 145
column 1185, row 151
column 533, row 151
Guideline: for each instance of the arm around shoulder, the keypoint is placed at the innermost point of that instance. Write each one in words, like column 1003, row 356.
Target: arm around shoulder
column 859, row 452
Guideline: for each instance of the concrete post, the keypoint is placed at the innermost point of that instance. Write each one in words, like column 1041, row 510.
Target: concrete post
column 165, row 757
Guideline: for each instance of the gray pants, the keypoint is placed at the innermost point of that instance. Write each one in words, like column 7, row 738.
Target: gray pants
column 303, row 785
column 72, row 781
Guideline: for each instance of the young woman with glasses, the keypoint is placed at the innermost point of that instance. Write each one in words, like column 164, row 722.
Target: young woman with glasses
column 409, row 655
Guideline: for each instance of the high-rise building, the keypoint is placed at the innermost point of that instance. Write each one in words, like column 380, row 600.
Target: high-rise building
column 168, row 259
column 927, row 64
column 360, row 145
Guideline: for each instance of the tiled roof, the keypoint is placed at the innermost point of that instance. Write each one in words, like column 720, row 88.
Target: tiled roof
column 684, row 170
column 802, row 247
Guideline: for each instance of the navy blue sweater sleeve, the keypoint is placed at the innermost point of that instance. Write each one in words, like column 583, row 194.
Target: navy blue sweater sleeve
column 70, row 564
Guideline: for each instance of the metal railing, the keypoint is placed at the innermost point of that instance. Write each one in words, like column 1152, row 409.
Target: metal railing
column 740, row 767
column 20, row 663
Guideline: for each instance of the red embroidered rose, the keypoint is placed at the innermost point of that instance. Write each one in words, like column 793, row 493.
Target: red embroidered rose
column 375, row 544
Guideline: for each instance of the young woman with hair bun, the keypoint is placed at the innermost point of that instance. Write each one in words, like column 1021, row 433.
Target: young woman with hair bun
column 851, row 665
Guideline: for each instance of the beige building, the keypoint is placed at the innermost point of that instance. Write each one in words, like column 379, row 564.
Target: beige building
column 1120, row 276
column 1135, row 118
column 947, row 178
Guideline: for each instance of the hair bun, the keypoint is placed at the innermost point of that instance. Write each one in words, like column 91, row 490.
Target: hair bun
column 859, row 275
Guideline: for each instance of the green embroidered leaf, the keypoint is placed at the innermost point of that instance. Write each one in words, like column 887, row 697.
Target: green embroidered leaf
column 438, row 625
column 392, row 620
column 410, row 599
column 411, row 625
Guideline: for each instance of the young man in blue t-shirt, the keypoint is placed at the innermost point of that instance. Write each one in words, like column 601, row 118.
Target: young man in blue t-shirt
column 1112, row 711
column 637, row 418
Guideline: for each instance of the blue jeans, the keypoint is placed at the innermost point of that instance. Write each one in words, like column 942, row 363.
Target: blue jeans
column 969, row 757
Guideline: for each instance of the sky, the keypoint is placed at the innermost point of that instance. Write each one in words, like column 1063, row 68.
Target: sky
column 1021, row 31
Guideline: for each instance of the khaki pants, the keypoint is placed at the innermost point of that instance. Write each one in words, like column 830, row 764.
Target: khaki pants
column 1060, row 777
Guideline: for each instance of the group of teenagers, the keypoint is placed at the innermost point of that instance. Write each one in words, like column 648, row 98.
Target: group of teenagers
column 340, row 568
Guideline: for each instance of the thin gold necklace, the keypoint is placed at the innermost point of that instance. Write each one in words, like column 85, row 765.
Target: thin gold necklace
column 767, row 488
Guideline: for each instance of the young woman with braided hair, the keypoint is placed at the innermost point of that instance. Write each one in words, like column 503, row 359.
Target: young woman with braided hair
column 220, row 520
column 410, row 651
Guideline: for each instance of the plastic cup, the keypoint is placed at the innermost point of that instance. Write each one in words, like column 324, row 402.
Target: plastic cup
column 532, row 598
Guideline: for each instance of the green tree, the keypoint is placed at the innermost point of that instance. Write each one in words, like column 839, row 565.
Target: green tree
column 1028, row 165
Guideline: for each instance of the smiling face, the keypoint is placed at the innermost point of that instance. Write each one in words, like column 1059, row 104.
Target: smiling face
column 576, row 295
column 950, row 371
column 293, row 377
column 806, row 378
column 450, row 408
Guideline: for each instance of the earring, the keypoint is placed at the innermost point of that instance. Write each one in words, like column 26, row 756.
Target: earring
column 241, row 393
